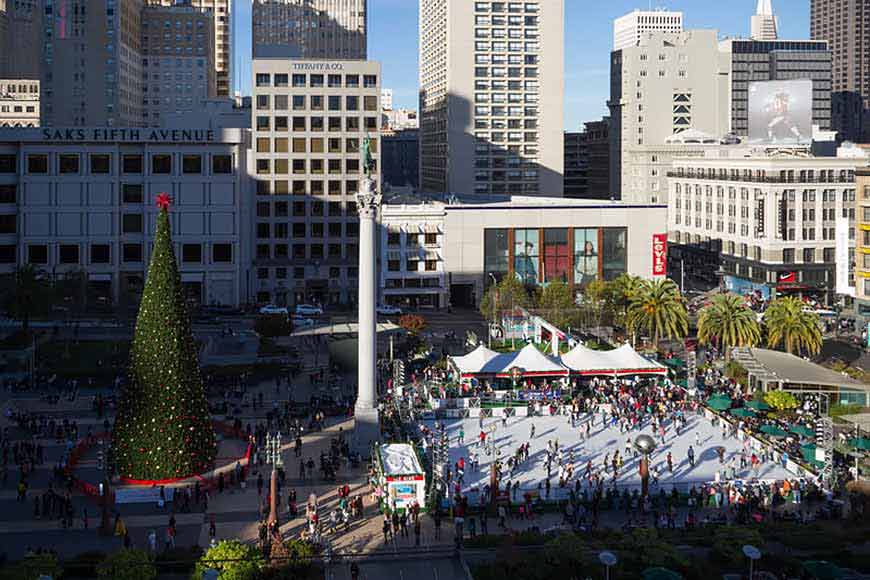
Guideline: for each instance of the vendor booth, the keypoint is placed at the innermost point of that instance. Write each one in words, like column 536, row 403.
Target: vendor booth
column 400, row 477
column 620, row 361
column 526, row 364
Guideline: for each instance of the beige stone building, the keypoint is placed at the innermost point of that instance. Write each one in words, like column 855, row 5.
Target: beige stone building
column 19, row 103
column 491, row 96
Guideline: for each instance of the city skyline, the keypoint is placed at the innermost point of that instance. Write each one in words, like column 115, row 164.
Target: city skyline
column 393, row 35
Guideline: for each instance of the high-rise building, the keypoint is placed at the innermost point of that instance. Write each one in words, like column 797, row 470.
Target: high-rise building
column 763, row 23
column 177, row 57
column 665, row 85
column 92, row 63
column 333, row 29
column 778, row 60
column 20, row 39
column 491, row 96
column 221, row 12
column 629, row 29
column 401, row 159
column 845, row 25
column 587, row 161
column 310, row 120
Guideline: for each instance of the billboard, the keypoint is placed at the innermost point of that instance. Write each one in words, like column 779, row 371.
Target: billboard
column 781, row 112
column 844, row 253
column 660, row 254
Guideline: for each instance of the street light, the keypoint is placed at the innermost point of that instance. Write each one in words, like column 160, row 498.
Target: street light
column 273, row 456
column 646, row 445
column 608, row 559
column 494, row 299
column 753, row 554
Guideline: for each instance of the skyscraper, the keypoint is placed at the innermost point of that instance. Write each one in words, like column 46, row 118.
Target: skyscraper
column 630, row 28
column 21, row 42
column 222, row 13
column 763, row 22
column 491, row 96
column 310, row 28
column 845, row 25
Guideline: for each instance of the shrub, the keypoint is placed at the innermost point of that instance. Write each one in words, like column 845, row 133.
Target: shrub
column 781, row 400
column 32, row 567
column 414, row 324
column 233, row 559
column 840, row 409
column 127, row 564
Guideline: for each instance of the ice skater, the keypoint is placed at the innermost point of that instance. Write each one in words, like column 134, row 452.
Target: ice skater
column 532, row 432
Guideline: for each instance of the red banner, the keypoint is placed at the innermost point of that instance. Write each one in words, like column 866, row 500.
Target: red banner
column 660, row 254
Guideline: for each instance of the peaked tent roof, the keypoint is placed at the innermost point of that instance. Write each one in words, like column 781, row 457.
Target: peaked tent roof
column 621, row 361
column 532, row 361
column 475, row 361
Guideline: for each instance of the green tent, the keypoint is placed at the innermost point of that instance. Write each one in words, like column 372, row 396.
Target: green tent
column 823, row 570
column 773, row 431
column 719, row 402
column 674, row 363
column 742, row 412
column 862, row 443
column 660, row 573
column 758, row 405
column 802, row 430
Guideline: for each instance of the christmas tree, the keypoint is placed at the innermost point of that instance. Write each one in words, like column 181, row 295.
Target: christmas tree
column 163, row 429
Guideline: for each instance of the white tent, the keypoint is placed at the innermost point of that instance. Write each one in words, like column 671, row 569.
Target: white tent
column 475, row 361
column 531, row 361
column 620, row 361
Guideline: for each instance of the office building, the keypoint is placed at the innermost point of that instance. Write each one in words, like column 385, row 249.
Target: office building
column 763, row 24
column 845, row 25
column 628, row 30
column 310, row 119
column 575, row 164
column 401, row 159
column 19, row 103
column 399, row 120
column 778, row 60
column 300, row 29
column 4, row 38
column 662, row 86
column 862, row 243
column 491, row 96
column 83, row 200
column 768, row 217
column 221, row 13
column 177, row 61
column 20, row 39
column 587, row 161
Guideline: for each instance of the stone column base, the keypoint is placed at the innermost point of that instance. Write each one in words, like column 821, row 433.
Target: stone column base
column 366, row 430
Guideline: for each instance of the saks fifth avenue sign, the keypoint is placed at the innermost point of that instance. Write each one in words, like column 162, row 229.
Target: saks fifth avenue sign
column 134, row 135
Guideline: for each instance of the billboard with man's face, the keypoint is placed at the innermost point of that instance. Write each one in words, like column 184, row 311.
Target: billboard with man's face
column 781, row 112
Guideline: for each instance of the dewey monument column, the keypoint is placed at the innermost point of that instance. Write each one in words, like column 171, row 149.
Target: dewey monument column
column 367, row 429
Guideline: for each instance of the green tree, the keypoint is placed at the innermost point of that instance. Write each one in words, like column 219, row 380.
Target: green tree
column 163, row 427
column 658, row 308
column 413, row 324
column 27, row 295
column 781, row 400
column 233, row 559
column 32, row 568
column 788, row 324
column 729, row 322
column 556, row 303
column 621, row 291
column 127, row 564
column 508, row 293
column 70, row 290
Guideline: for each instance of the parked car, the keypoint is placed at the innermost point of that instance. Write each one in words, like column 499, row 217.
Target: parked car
column 388, row 310
column 300, row 322
column 272, row 309
column 308, row 310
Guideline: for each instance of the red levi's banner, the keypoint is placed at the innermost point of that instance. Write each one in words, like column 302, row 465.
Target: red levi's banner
column 660, row 254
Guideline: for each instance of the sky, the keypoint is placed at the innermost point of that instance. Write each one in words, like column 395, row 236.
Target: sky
column 392, row 40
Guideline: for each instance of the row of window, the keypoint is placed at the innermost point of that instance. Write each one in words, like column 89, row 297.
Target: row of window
column 412, row 265
column 316, row 102
column 395, row 239
column 312, row 166
column 315, row 124
column 501, row 7
column 307, row 252
column 316, row 208
column 350, row 81
column 299, row 274
column 282, row 230
column 303, row 187
column 131, row 253
column 313, row 145
column 131, row 163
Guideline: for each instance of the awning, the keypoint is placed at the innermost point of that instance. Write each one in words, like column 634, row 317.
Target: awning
column 432, row 229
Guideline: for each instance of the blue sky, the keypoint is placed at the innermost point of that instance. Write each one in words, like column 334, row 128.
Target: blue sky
column 392, row 40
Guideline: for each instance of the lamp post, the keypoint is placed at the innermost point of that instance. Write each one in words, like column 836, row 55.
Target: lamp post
column 273, row 457
column 494, row 301
column 609, row 560
column 753, row 554
column 646, row 445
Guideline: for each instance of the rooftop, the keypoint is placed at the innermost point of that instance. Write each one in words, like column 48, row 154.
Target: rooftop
column 773, row 365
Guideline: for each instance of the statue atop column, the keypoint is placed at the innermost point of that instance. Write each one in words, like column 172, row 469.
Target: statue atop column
column 368, row 199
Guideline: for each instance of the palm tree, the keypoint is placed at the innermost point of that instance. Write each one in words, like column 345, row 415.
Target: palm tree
column 658, row 308
column 788, row 324
column 728, row 321
column 622, row 289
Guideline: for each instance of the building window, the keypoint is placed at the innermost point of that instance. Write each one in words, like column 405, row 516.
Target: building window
column 585, row 256
column 37, row 164
column 613, row 252
column 161, row 164
column 131, row 223
column 191, row 253
column 100, row 254
column 788, row 256
column 526, row 254
column 69, row 254
column 809, row 255
column 191, row 164
column 131, row 164
column 8, row 193
column 222, row 253
column 8, row 164
column 101, row 163
column 222, row 164
column 8, row 223
column 495, row 253
column 68, row 164
column 132, row 253
column 8, row 254
column 37, row 254
column 557, row 256
column 131, row 193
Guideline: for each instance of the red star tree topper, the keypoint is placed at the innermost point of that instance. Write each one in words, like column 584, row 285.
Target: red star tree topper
column 163, row 201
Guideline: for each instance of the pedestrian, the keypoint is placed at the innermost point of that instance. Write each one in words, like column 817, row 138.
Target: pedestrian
column 691, row 455
column 437, row 519
column 417, row 532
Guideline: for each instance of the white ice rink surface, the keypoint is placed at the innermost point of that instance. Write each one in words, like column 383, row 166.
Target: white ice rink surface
column 600, row 442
